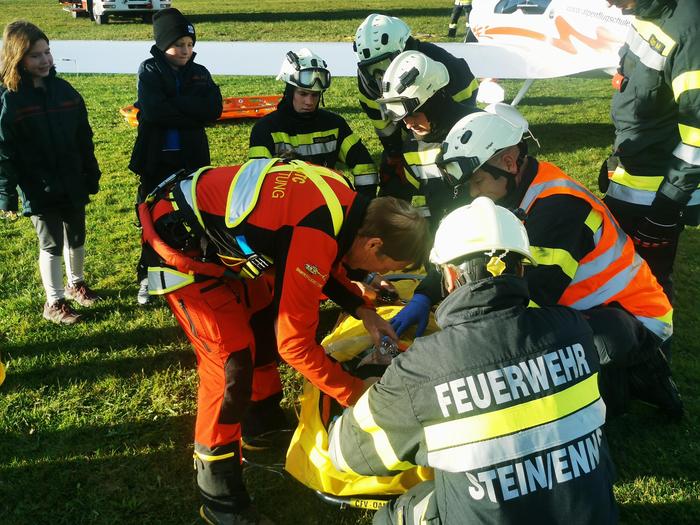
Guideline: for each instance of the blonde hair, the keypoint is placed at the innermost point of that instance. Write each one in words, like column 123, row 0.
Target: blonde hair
column 17, row 39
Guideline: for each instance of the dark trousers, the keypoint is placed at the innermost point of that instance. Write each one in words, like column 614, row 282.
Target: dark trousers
column 55, row 225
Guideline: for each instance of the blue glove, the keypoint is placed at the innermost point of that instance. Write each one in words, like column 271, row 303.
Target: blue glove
column 417, row 312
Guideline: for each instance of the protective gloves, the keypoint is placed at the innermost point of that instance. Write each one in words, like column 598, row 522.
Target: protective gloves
column 417, row 312
column 653, row 234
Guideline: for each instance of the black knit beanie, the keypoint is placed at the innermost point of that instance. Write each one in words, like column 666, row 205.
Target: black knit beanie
column 169, row 25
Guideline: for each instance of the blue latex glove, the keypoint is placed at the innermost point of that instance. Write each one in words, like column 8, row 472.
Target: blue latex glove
column 417, row 312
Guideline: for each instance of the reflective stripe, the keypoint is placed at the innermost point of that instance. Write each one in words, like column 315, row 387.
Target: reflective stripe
column 305, row 138
column 208, row 457
column 188, row 188
column 647, row 55
column 410, row 178
column 420, row 508
column 163, row 280
column 611, row 288
column 689, row 135
column 621, row 176
column 689, row 154
column 369, row 102
column 422, row 161
column 653, row 34
column 643, row 197
column 259, row 152
column 388, row 129
column 307, row 144
column 685, row 82
column 365, row 180
column 603, row 261
column 335, row 451
column 306, row 150
column 555, row 257
column 477, row 455
column 513, row 419
column 594, row 221
column 365, row 420
column 244, row 190
column 467, row 92
column 345, row 146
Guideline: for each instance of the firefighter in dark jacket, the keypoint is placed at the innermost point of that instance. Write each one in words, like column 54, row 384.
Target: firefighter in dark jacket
column 299, row 128
column 652, row 181
column 584, row 258
column 246, row 253
column 378, row 40
column 414, row 92
column 177, row 98
column 46, row 151
column 503, row 402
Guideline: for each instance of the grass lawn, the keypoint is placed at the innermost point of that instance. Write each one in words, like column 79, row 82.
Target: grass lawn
column 96, row 420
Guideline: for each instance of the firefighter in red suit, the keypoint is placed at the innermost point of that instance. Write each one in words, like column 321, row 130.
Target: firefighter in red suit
column 244, row 255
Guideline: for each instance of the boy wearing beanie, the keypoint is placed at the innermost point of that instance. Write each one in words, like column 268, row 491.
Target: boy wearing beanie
column 176, row 99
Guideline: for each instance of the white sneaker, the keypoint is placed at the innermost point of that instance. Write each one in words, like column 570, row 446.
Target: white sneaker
column 142, row 297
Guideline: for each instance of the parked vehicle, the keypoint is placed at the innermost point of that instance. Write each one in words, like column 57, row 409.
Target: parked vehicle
column 102, row 10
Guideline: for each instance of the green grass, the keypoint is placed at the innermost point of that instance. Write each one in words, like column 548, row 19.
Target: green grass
column 96, row 420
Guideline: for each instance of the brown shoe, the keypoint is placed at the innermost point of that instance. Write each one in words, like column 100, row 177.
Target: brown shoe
column 82, row 294
column 60, row 312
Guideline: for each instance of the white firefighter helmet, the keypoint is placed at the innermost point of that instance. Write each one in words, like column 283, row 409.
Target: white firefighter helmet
column 306, row 70
column 378, row 40
column 412, row 78
column 472, row 141
column 479, row 228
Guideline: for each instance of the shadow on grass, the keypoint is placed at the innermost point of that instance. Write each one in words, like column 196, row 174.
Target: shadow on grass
column 548, row 101
column 96, row 369
column 687, row 512
column 304, row 16
column 138, row 472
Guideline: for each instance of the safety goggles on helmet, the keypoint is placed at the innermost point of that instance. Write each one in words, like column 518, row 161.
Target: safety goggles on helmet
column 456, row 170
column 308, row 78
column 398, row 108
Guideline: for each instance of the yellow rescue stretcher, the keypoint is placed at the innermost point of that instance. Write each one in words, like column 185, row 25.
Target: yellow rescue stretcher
column 234, row 108
column 307, row 457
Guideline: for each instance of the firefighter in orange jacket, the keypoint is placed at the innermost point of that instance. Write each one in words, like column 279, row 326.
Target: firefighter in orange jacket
column 585, row 260
column 244, row 255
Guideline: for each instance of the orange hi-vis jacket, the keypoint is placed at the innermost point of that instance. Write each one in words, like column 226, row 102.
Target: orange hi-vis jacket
column 302, row 219
column 611, row 272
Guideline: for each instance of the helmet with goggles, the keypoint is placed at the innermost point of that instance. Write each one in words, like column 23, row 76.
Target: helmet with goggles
column 306, row 70
column 475, row 139
column 378, row 40
column 412, row 78
column 478, row 229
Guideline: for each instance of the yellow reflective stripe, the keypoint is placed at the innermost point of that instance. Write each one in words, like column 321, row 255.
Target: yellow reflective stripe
column 348, row 143
column 513, row 419
column 594, row 220
column 207, row 457
column 364, row 169
column 335, row 450
column 685, row 82
column 193, row 194
column 380, row 124
column 689, row 135
column 667, row 318
column 466, row 92
column 533, row 304
column 259, row 152
column 303, row 139
column 253, row 200
column 555, row 257
column 411, row 179
column 625, row 178
column 365, row 420
column 651, row 32
column 155, row 285
column 421, row 158
column 305, row 168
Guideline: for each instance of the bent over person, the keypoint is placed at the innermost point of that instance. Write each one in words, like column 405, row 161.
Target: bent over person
column 503, row 402
column 244, row 255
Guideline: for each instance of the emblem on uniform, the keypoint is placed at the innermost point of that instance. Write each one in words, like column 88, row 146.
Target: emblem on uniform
column 313, row 270
column 656, row 44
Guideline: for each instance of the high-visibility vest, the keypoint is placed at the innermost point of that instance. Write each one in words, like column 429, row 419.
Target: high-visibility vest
column 612, row 271
column 243, row 194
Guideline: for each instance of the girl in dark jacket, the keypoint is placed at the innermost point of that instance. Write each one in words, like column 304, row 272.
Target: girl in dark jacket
column 46, row 150
column 176, row 99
